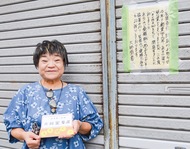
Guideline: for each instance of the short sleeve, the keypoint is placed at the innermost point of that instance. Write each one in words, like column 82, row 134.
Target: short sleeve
column 89, row 113
column 14, row 114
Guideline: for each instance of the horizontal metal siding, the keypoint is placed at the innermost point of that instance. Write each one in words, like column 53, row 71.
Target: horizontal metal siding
column 24, row 23
column 154, row 108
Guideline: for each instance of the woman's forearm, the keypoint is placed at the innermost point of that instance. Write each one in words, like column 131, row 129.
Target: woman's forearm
column 85, row 128
column 18, row 133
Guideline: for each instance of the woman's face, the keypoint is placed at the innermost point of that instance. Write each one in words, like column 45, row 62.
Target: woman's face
column 51, row 67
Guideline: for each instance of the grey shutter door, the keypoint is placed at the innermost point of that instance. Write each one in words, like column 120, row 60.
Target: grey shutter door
column 24, row 23
column 154, row 108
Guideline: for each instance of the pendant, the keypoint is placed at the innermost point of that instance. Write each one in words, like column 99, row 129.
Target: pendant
column 49, row 93
column 53, row 110
column 52, row 103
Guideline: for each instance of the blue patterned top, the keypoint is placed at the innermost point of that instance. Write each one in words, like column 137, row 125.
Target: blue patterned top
column 30, row 103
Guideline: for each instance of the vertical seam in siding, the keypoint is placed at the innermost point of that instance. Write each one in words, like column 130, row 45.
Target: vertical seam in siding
column 112, row 74
column 105, row 74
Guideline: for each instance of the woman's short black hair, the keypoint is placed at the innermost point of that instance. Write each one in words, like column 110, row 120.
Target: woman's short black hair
column 50, row 47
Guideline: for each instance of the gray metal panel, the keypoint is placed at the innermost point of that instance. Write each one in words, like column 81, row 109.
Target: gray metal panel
column 47, row 21
column 67, row 39
column 66, row 29
column 153, row 107
column 142, row 143
column 72, row 49
column 8, row 2
column 27, row 5
column 24, row 23
column 50, row 11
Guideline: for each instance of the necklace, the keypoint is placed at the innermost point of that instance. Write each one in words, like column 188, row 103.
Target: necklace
column 49, row 94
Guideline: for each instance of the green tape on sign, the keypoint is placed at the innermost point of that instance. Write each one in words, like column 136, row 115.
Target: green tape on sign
column 125, row 37
column 173, row 30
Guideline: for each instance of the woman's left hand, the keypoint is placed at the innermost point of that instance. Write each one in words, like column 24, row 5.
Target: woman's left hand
column 76, row 127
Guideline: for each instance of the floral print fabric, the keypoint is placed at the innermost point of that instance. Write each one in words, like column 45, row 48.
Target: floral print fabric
column 30, row 103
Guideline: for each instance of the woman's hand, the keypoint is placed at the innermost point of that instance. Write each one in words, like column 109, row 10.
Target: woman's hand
column 83, row 128
column 32, row 140
column 76, row 127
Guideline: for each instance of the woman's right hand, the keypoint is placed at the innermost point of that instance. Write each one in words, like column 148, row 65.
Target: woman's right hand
column 32, row 140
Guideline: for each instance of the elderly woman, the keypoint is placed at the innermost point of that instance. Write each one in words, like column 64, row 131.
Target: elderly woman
column 51, row 96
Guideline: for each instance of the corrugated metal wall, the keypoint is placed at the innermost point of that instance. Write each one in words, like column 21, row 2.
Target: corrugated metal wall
column 154, row 108
column 24, row 23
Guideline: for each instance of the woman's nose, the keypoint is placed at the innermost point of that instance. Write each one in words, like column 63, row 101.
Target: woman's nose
column 51, row 63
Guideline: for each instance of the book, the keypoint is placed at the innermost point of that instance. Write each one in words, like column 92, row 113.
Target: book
column 56, row 124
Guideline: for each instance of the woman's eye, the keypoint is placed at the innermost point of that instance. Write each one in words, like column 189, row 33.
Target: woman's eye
column 57, row 60
column 44, row 61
